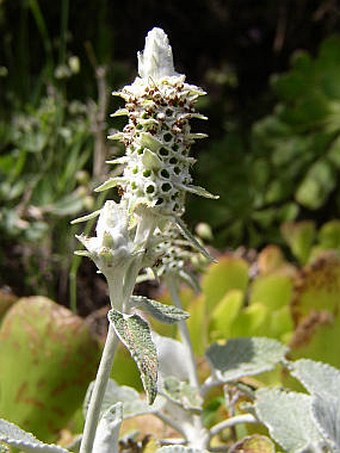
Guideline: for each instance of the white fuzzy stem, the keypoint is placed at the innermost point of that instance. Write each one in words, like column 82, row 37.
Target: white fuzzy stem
column 198, row 437
column 121, row 286
column 232, row 421
column 103, row 375
column 185, row 335
column 104, row 370
column 170, row 422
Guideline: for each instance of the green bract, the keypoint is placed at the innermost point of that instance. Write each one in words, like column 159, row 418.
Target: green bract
column 113, row 244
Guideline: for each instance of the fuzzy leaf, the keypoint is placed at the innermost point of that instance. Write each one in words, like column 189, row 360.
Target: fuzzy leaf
column 117, row 136
column 182, row 394
column 120, row 112
column 135, row 334
column 133, row 405
column 317, row 288
column 162, row 312
column 57, row 348
column 200, row 191
column 317, row 184
column 198, row 135
column 241, row 357
column 299, row 237
column 326, row 413
column 107, row 433
column 191, row 238
column 118, row 160
column 228, row 274
column 16, row 437
column 317, row 377
column 173, row 357
column 87, row 217
column 329, row 234
column 289, row 420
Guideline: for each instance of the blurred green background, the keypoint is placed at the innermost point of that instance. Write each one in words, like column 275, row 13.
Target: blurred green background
column 271, row 70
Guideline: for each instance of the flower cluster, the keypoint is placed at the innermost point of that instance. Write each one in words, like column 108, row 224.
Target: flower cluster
column 157, row 137
column 176, row 255
column 159, row 105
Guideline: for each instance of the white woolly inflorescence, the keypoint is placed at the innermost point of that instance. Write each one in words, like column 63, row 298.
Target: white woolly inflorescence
column 156, row 177
column 157, row 137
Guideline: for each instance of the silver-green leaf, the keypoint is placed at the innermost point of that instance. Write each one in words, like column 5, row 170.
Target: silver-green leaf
column 135, row 334
column 241, row 357
column 133, row 404
column 289, row 420
column 107, row 433
column 162, row 312
column 191, row 238
column 87, row 217
column 173, row 357
column 16, row 437
column 316, row 377
column 112, row 182
column 181, row 393
column 326, row 413
column 200, row 191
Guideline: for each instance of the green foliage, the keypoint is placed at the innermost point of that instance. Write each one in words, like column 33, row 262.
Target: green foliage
column 47, row 357
column 254, row 444
column 14, row 436
column 287, row 165
column 232, row 305
column 163, row 313
column 301, row 422
column 107, row 433
column 306, row 242
column 43, row 151
column 133, row 403
column 288, row 418
column 45, row 157
column 294, row 303
column 244, row 357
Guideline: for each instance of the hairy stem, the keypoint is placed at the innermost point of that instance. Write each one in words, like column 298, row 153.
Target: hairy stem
column 170, row 422
column 199, row 437
column 184, row 332
column 104, row 369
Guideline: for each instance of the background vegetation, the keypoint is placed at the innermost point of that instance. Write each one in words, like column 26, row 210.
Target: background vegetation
column 271, row 71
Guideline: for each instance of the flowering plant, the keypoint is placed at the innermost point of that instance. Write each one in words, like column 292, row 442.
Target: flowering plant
column 145, row 230
column 130, row 235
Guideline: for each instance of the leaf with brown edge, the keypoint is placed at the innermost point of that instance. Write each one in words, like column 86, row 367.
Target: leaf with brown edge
column 317, row 287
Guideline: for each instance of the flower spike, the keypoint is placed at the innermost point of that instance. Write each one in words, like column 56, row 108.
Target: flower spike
column 158, row 137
